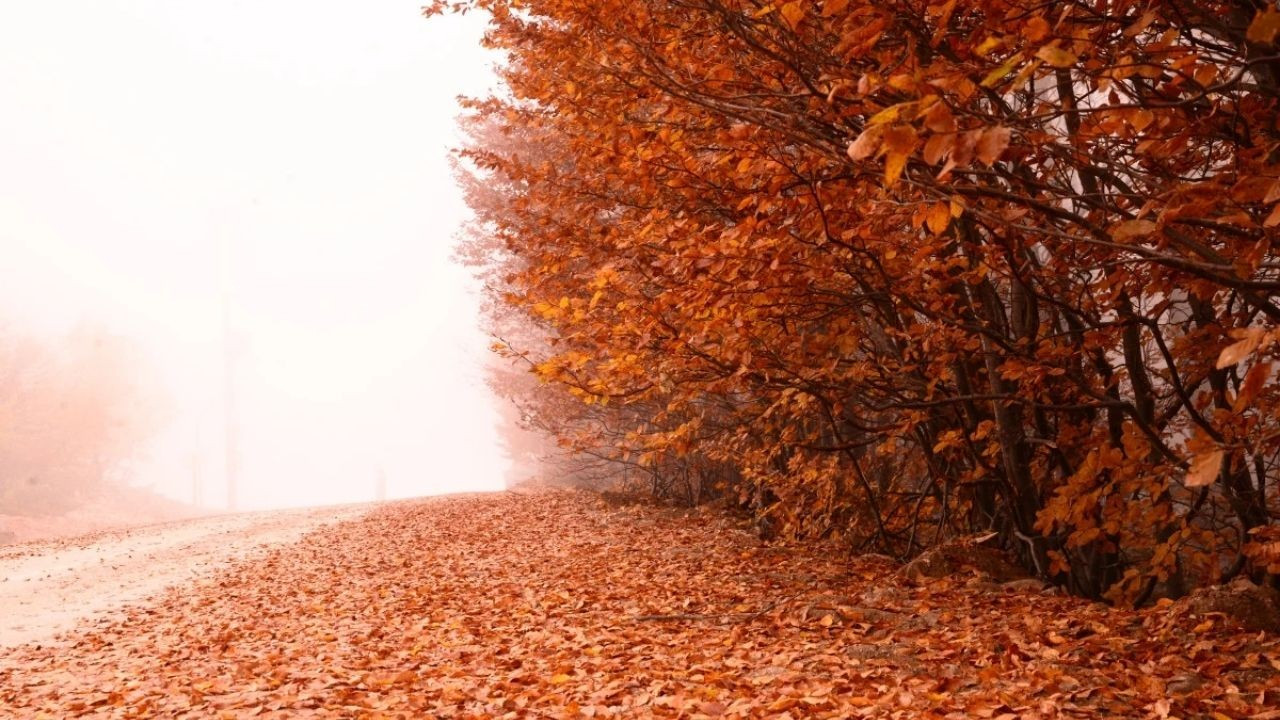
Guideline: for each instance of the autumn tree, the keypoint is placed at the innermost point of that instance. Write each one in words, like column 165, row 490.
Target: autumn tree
column 73, row 415
column 901, row 271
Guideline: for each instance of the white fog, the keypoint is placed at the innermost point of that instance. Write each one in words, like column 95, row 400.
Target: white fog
column 294, row 154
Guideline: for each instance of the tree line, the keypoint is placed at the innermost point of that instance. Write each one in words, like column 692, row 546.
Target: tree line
column 74, row 413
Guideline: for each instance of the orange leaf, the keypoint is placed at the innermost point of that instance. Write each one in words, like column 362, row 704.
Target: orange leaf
column 1056, row 56
column 939, row 118
column 833, row 7
column 1204, row 469
column 1273, row 193
column 944, row 20
column 1254, row 380
column 1141, row 118
column 1122, row 231
column 793, row 14
column 937, row 147
column 1265, row 26
column 995, row 76
column 1205, row 75
column 1234, row 353
column 938, row 217
column 893, row 167
column 991, row 144
column 985, row 47
column 866, row 144
column 888, row 114
column 1142, row 23
column 1037, row 29
column 901, row 139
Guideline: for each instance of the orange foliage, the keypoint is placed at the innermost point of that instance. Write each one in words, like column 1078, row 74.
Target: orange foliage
column 895, row 272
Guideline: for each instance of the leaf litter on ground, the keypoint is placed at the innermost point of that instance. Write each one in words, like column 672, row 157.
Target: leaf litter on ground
column 560, row 605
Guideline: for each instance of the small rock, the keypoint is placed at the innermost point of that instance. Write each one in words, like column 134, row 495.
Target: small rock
column 882, row 596
column 1184, row 684
column 878, row 558
column 982, row 585
column 1255, row 608
column 928, row 619
column 929, row 564
column 1025, row 585
column 954, row 557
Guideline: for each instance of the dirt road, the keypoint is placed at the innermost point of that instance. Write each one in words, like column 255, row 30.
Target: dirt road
column 48, row 587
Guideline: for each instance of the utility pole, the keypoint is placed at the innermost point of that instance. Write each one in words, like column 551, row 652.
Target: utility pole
column 232, row 429
column 195, row 479
column 197, row 468
column 229, row 400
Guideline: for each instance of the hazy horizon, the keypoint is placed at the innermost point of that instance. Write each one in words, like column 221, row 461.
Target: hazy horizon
column 155, row 152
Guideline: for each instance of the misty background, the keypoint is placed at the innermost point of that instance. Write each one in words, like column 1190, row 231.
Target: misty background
column 154, row 153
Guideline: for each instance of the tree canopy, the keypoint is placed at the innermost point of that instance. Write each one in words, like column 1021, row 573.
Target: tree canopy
column 901, row 271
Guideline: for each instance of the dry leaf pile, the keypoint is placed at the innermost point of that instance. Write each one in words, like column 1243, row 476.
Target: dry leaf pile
column 557, row 605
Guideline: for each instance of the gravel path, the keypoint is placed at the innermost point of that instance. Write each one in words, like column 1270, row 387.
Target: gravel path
column 47, row 588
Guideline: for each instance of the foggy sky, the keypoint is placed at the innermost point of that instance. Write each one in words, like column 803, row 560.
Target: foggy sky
column 295, row 152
